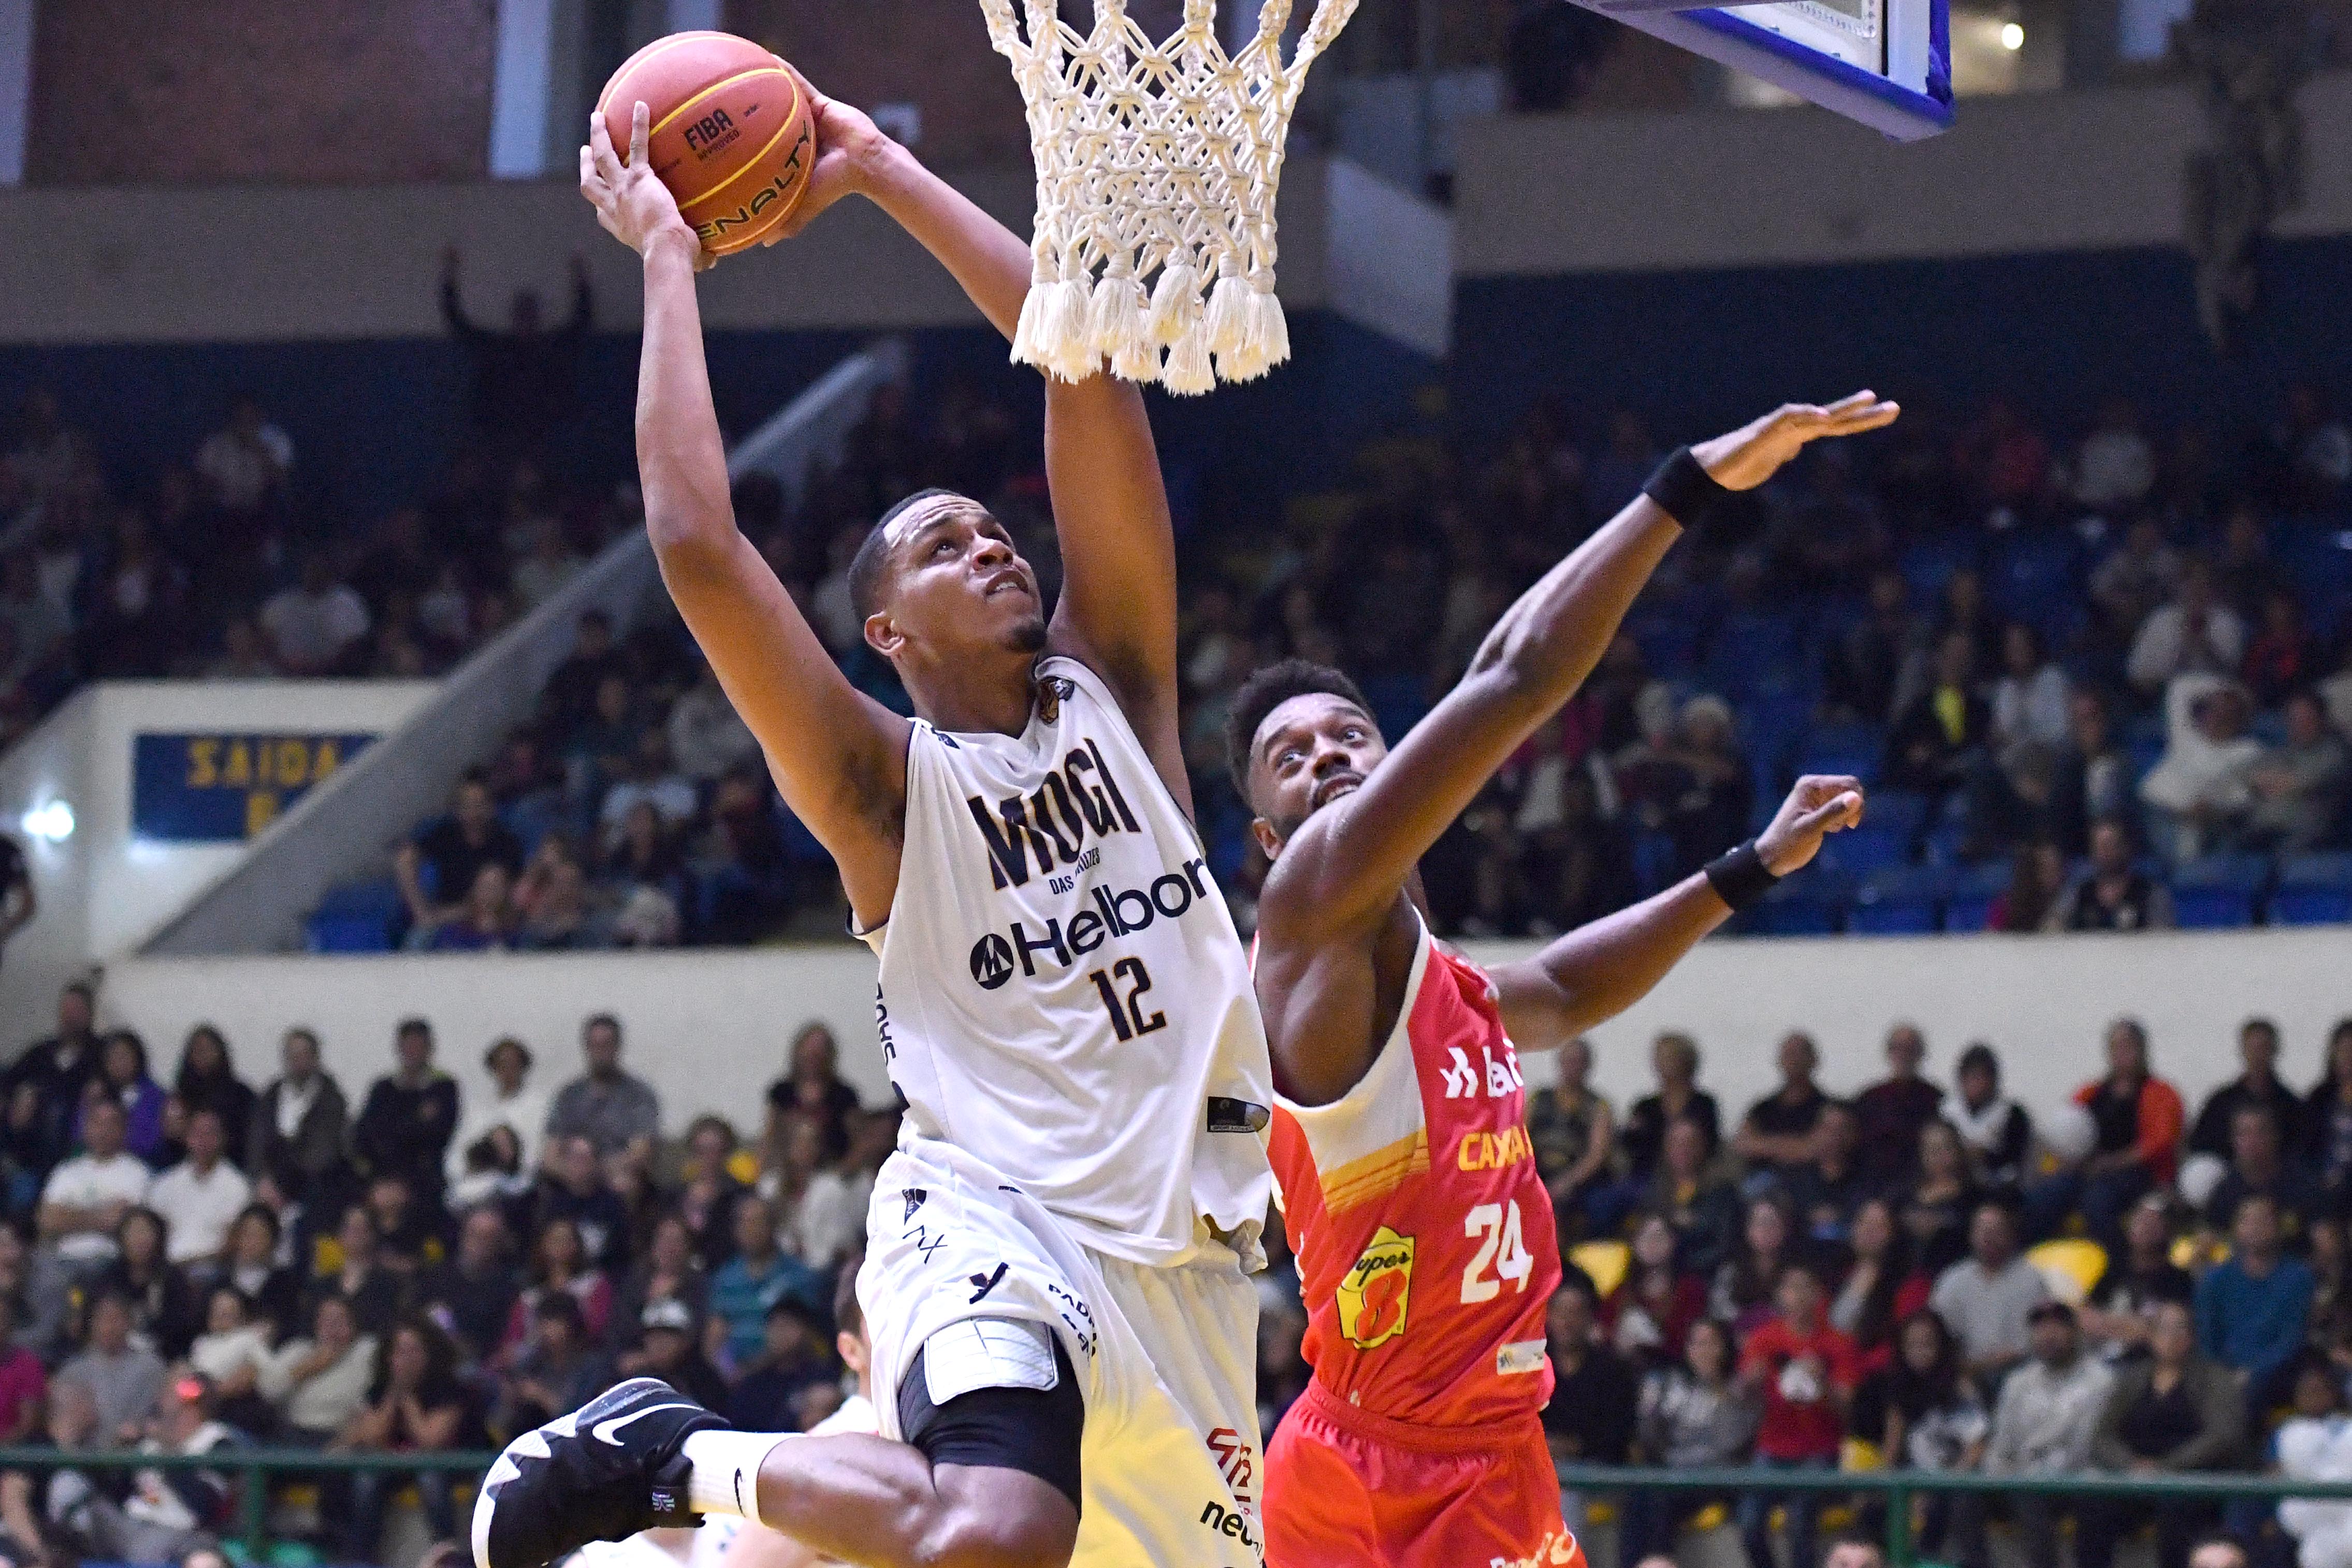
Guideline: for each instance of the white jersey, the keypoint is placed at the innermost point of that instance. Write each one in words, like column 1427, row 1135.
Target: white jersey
column 1062, row 994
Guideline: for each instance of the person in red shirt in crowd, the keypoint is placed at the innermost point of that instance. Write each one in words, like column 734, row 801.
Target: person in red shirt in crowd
column 1805, row 1373
column 2140, row 1119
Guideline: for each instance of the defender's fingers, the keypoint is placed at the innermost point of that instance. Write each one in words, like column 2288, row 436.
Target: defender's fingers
column 815, row 99
column 1869, row 418
column 600, row 149
column 641, row 121
column 1838, row 815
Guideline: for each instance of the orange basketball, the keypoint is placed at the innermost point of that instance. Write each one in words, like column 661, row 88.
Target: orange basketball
column 730, row 132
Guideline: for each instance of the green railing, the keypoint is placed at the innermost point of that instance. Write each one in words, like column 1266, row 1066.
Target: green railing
column 1899, row 1487
column 253, row 1467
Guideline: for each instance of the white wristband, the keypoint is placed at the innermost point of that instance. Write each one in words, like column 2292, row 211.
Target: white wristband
column 725, row 1477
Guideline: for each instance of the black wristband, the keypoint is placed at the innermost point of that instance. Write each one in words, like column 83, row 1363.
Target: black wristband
column 1739, row 876
column 1686, row 491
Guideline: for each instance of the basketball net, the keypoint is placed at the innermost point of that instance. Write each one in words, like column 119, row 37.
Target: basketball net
column 1155, row 157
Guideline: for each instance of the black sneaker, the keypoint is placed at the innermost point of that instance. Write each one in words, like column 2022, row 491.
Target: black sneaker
column 611, row 1469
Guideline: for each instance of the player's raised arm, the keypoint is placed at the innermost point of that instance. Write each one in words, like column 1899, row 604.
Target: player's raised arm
column 1598, row 970
column 1343, row 868
column 1118, row 607
column 839, row 757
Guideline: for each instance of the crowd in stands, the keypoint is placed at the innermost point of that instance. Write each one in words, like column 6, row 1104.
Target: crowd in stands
column 2098, row 679
column 1922, row 1278
column 198, row 1262
column 221, row 562
column 1909, row 1275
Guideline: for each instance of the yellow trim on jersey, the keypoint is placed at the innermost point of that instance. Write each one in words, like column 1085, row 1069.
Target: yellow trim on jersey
column 1378, row 1173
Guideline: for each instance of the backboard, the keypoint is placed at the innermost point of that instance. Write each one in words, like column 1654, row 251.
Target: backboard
column 1886, row 63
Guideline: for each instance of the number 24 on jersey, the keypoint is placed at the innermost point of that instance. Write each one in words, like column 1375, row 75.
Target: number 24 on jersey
column 1501, row 1248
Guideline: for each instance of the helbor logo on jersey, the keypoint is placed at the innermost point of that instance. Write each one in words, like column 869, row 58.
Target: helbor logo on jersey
column 1120, row 912
column 1374, row 1294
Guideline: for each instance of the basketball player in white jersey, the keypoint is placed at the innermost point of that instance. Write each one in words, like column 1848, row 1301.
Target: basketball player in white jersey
column 1063, row 1331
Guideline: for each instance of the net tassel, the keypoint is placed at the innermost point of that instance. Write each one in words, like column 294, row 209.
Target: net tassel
column 1266, row 342
column 1228, row 317
column 1062, row 330
column 1119, row 326
column 1025, row 335
column 1175, row 303
column 1138, row 362
column 1187, row 373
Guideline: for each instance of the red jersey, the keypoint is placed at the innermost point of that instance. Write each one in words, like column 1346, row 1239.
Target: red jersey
column 1426, row 1245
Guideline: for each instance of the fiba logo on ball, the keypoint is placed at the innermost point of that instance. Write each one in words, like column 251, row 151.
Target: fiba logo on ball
column 1374, row 1293
column 992, row 961
column 711, row 132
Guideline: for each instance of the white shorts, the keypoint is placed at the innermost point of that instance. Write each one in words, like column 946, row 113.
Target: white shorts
column 1166, row 1357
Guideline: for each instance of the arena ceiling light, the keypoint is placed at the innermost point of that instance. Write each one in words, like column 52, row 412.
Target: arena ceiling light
column 51, row 821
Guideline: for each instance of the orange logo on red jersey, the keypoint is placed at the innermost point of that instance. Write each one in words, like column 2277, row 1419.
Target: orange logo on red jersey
column 1492, row 1150
column 1374, row 1293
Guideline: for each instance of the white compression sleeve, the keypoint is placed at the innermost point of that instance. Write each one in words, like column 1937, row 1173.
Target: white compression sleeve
column 725, row 1478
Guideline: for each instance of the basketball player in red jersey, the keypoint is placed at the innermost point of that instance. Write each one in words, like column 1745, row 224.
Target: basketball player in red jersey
column 1425, row 1240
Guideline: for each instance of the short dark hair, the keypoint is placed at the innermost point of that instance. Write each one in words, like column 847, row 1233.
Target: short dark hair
column 1268, row 690
column 561, row 1306
column 406, row 1028
column 848, row 1317
column 873, row 553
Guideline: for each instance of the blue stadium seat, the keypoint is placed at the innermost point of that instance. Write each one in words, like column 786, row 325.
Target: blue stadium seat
column 1797, row 913
column 1929, row 564
column 1974, row 888
column 1873, row 846
column 355, row 918
column 2220, row 891
column 1669, row 644
column 2033, row 573
column 1946, row 841
column 1899, row 901
column 533, row 817
column 1851, row 749
column 1898, row 811
column 2212, row 908
column 1398, row 703
column 2314, row 889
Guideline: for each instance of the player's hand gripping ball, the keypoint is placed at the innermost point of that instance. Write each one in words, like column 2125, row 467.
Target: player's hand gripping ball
column 731, row 134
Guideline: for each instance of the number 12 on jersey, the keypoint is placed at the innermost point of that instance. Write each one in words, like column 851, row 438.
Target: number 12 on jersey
column 1127, row 1017
column 1504, row 1249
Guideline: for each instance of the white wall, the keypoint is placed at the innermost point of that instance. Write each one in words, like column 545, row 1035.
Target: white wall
column 710, row 1029
column 101, row 891
column 2038, row 172
column 180, row 264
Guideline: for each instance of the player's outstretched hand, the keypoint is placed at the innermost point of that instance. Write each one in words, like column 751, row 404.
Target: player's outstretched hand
column 630, row 199
column 1819, row 805
column 1754, row 453
column 848, row 146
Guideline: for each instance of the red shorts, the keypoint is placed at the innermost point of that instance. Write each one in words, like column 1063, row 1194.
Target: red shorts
column 1347, row 1489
